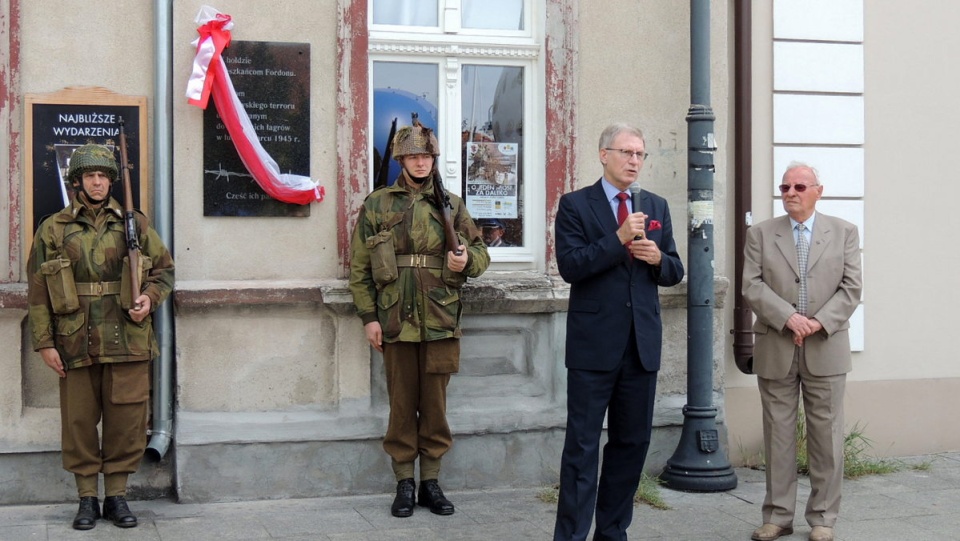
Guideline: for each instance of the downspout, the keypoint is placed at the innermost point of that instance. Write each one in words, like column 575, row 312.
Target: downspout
column 162, row 425
column 743, row 173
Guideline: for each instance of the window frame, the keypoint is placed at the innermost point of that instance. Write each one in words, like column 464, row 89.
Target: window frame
column 449, row 24
column 450, row 51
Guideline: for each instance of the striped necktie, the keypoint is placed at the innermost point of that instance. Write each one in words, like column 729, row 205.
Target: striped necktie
column 803, row 250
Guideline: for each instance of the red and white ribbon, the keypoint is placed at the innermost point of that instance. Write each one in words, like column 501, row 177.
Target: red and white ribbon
column 210, row 77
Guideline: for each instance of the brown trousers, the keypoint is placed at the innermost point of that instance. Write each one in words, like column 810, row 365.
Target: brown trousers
column 417, row 377
column 118, row 395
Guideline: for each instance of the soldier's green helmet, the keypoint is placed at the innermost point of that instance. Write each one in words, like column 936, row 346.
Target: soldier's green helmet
column 416, row 139
column 92, row 158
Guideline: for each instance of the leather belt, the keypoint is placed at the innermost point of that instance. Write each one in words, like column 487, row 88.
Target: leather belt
column 97, row 289
column 420, row 260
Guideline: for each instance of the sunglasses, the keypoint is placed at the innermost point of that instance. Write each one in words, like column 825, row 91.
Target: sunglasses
column 799, row 188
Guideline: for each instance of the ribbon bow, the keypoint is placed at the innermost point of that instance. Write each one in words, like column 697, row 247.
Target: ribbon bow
column 210, row 77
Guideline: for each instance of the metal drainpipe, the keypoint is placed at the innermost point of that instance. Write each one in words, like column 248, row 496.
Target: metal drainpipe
column 743, row 172
column 162, row 431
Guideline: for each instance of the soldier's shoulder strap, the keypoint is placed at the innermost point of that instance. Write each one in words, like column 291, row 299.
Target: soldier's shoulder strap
column 386, row 205
column 56, row 229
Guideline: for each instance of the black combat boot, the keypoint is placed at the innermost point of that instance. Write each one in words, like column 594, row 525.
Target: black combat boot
column 88, row 513
column 431, row 496
column 115, row 509
column 403, row 504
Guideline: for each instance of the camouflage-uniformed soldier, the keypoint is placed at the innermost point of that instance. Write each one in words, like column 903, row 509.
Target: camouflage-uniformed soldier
column 406, row 288
column 88, row 331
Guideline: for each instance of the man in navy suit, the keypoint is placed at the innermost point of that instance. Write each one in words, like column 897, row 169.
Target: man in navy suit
column 614, row 335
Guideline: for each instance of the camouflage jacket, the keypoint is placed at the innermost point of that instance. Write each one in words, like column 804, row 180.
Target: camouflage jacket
column 421, row 303
column 93, row 247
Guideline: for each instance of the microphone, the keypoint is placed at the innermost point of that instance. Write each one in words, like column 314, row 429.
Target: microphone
column 635, row 199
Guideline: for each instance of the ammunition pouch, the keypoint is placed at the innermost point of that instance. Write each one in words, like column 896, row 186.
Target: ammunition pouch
column 61, row 286
column 383, row 258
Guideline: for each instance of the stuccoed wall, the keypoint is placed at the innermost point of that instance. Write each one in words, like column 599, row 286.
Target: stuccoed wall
column 258, row 251
column 49, row 46
column 277, row 393
column 507, row 406
column 304, row 438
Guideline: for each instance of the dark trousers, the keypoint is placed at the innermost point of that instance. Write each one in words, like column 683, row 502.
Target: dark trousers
column 627, row 396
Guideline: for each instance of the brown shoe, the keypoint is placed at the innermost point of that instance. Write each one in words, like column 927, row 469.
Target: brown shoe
column 821, row 533
column 769, row 532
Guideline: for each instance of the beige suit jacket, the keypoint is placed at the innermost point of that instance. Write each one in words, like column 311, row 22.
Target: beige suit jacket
column 771, row 287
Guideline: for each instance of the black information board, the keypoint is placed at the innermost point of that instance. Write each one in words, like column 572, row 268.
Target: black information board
column 59, row 123
column 272, row 81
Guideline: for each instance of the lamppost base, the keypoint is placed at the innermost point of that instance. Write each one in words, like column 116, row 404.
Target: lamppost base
column 698, row 480
column 699, row 464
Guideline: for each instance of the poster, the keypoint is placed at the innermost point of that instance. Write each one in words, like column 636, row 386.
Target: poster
column 491, row 181
column 59, row 123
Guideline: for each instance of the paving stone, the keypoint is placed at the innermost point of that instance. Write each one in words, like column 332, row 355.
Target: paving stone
column 914, row 503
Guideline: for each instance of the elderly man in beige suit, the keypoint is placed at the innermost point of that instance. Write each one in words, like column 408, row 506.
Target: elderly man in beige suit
column 802, row 347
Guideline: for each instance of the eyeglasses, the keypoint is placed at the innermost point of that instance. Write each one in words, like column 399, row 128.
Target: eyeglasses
column 799, row 188
column 627, row 154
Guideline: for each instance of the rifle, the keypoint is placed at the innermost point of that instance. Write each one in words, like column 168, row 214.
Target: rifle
column 440, row 196
column 129, row 222
column 444, row 206
column 381, row 174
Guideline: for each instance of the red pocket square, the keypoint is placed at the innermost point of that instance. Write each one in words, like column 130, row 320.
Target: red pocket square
column 654, row 225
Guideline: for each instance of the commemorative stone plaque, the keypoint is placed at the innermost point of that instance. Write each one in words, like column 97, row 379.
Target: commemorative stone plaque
column 272, row 82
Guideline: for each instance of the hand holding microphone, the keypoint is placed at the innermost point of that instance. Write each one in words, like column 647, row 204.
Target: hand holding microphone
column 635, row 199
column 643, row 250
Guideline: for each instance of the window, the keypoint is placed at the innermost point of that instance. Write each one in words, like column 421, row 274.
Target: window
column 492, row 14
column 471, row 70
column 405, row 12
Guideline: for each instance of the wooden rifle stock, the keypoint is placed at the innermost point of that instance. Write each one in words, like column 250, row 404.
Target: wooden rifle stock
column 129, row 221
column 452, row 241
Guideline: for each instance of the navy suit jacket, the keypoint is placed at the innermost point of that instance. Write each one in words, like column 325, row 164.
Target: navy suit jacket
column 612, row 295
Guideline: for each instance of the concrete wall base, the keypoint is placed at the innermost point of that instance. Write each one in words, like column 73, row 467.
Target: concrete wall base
column 233, row 472
column 32, row 478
